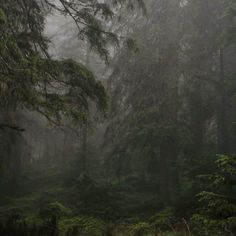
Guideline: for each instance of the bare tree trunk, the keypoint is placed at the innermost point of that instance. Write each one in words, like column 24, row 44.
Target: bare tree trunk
column 84, row 161
column 222, row 119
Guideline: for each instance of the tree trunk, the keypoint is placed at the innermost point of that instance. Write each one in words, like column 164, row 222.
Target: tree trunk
column 222, row 119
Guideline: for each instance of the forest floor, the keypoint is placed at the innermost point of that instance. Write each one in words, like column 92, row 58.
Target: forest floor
column 97, row 209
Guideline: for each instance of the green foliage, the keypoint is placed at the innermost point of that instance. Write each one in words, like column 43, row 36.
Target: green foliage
column 162, row 133
column 30, row 79
column 141, row 229
column 163, row 220
column 95, row 198
column 217, row 216
column 82, row 226
column 52, row 210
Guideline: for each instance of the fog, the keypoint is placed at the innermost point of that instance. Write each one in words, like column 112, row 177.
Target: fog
column 117, row 118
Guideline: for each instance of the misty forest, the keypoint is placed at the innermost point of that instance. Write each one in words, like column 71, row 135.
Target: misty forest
column 117, row 117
